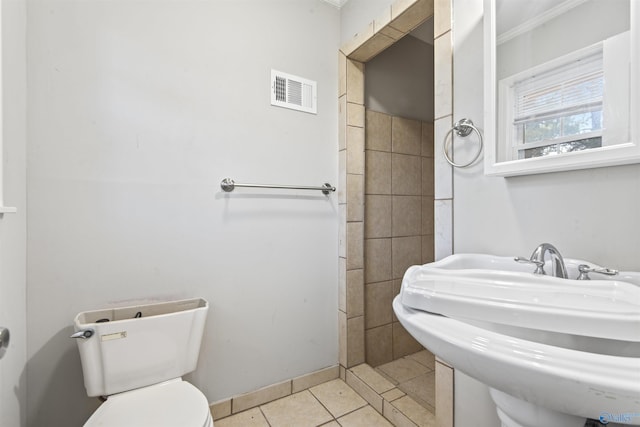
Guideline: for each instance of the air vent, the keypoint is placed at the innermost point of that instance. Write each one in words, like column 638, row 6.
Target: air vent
column 293, row 92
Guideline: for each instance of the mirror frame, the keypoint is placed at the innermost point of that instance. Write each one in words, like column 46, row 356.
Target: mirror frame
column 620, row 154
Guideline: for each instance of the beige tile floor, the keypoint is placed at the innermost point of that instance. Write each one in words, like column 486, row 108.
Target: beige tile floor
column 414, row 375
column 396, row 389
column 330, row 404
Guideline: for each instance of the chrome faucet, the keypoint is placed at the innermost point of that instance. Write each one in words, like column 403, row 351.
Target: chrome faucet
column 537, row 258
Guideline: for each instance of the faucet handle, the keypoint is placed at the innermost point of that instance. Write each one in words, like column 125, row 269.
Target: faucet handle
column 539, row 264
column 585, row 269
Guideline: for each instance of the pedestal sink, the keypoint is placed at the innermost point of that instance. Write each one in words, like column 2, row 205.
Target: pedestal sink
column 554, row 352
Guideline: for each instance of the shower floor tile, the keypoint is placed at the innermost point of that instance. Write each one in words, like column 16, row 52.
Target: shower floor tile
column 414, row 375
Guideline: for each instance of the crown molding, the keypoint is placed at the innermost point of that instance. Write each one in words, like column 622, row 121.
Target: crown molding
column 536, row 21
column 336, row 3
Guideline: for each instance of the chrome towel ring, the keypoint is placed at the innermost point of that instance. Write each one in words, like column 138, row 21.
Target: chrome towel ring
column 463, row 128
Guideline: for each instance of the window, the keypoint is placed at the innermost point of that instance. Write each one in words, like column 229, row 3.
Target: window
column 556, row 108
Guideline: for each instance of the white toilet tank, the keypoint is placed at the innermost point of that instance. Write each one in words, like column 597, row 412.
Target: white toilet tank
column 131, row 347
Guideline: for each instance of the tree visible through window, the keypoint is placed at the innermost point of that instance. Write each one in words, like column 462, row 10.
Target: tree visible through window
column 560, row 109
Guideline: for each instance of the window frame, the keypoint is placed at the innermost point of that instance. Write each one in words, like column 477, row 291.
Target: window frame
column 627, row 151
column 508, row 87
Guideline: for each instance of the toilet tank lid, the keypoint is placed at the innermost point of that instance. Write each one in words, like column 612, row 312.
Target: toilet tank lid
column 129, row 312
column 168, row 404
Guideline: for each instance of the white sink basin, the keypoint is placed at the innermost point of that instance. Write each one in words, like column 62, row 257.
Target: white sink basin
column 551, row 349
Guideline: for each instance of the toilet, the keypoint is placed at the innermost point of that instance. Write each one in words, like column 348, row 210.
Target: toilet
column 136, row 356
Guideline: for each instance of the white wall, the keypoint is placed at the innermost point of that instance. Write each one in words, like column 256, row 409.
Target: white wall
column 13, row 227
column 137, row 111
column 355, row 16
column 589, row 214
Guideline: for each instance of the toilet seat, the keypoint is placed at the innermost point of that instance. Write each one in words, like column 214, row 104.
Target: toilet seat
column 168, row 404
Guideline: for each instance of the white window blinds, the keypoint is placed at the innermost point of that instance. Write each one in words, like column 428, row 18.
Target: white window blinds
column 569, row 89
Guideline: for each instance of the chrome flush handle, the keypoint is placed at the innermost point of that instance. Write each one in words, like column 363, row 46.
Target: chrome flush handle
column 83, row 334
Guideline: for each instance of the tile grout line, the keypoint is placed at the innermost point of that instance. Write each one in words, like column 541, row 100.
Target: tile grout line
column 386, row 416
column 346, row 413
column 263, row 415
column 323, row 405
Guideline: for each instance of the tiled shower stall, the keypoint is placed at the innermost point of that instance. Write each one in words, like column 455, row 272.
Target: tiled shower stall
column 398, row 224
column 368, row 275
column 385, row 196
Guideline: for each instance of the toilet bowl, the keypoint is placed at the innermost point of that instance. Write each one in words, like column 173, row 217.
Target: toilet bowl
column 169, row 404
column 136, row 356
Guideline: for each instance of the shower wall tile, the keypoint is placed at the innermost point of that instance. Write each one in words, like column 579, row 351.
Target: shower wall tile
column 355, row 115
column 427, row 139
column 443, row 219
column 394, row 207
column 379, row 342
column 407, row 216
column 444, row 395
column 355, row 341
column 403, row 342
column 342, row 284
column 406, row 136
column 395, row 291
column 406, row 175
column 408, row 14
column 378, row 172
column 378, row 297
column 389, row 31
column 427, row 215
column 378, row 131
column 355, row 150
column 442, row 18
column 443, row 75
column 355, row 293
column 374, row 46
column 428, row 253
column 377, row 266
column 342, row 338
column 355, row 197
column 342, row 176
column 405, row 252
column 342, row 231
column 397, row 284
column 377, row 220
column 428, row 183
column 443, row 174
column 355, row 250
column 398, row 7
column 355, row 82
column 342, row 123
column 342, row 74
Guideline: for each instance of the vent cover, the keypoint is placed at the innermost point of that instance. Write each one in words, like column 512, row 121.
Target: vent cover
column 293, row 92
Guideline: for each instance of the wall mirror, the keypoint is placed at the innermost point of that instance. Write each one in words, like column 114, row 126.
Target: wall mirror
column 561, row 85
